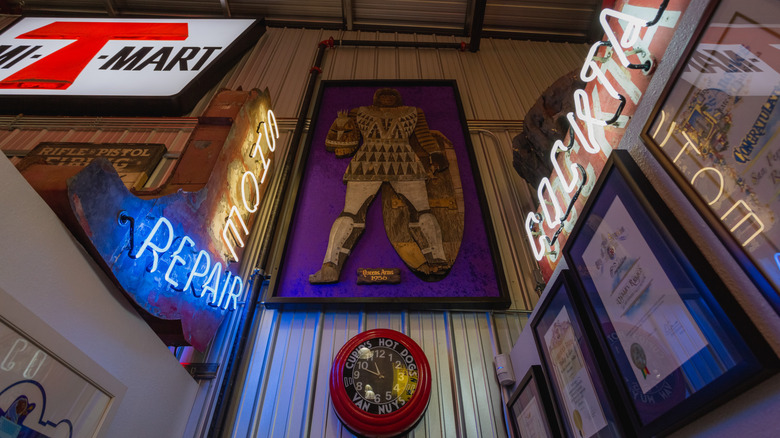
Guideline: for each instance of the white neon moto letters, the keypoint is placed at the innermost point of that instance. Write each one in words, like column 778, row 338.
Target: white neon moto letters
column 271, row 139
column 155, row 248
column 271, row 130
column 175, row 259
column 230, row 225
column 256, row 147
column 243, row 192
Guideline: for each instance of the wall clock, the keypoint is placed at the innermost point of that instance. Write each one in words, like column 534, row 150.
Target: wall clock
column 380, row 383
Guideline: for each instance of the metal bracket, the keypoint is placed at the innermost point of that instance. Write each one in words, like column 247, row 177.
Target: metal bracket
column 202, row 371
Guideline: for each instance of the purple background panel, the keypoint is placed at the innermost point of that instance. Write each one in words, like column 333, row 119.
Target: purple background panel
column 321, row 200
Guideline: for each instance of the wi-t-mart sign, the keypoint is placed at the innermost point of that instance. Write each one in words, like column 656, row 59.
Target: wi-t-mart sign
column 116, row 66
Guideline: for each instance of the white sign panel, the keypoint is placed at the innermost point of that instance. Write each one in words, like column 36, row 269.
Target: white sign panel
column 110, row 57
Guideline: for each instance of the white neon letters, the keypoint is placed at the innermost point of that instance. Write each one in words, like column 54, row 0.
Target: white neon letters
column 8, row 361
column 630, row 33
column 177, row 259
column 271, row 131
column 195, row 267
column 590, row 71
column 156, row 249
column 229, row 225
column 202, row 255
column 33, row 365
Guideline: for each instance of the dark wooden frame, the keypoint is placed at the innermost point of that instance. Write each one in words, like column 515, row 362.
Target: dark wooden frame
column 713, row 307
column 271, row 299
column 745, row 260
column 534, row 381
column 565, row 288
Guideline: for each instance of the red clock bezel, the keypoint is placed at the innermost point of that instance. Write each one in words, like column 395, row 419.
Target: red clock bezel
column 380, row 425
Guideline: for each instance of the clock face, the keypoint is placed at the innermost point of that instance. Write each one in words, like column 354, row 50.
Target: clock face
column 380, row 383
column 380, row 376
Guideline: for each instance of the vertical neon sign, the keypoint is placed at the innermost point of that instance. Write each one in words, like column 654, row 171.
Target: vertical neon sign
column 538, row 226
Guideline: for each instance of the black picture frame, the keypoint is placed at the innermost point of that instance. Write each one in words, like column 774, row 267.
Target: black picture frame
column 532, row 401
column 702, row 132
column 573, row 366
column 476, row 280
column 672, row 335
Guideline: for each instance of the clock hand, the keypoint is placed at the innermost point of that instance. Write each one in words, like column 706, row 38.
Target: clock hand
column 378, row 373
column 372, row 372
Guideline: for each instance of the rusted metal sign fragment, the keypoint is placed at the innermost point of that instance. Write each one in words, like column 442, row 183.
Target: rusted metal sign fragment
column 177, row 255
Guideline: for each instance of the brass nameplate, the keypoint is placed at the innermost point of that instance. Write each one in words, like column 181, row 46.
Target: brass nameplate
column 378, row 276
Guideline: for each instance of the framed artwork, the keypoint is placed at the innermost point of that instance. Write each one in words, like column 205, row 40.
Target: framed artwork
column 47, row 387
column 388, row 206
column 531, row 410
column 674, row 338
column 571, row 365
column 715, row 130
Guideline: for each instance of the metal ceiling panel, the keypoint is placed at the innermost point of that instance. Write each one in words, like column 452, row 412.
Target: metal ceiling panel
column 431, row 14
column 86, row 7
column 557, row 18
column 291, row 11
column 553, row 20
column 168, row 8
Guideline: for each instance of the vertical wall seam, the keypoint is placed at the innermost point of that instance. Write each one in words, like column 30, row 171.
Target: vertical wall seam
column 270, row 352
column 454, row 382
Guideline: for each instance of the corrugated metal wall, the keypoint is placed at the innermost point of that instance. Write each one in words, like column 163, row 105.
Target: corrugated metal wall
column 285, row 379
column 284, row 389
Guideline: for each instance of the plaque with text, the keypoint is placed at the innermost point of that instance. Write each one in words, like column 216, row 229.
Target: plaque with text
column 134, row 162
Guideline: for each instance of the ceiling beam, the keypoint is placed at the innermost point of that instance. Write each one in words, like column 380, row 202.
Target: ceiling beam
column 476, row 17
column 346, row 7
column 225, row 8
column 111, row 8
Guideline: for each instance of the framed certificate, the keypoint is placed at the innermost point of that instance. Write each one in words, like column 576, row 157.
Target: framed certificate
column 571, row 366
column 715, row 131
column 672, row 334
column 531, row 410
